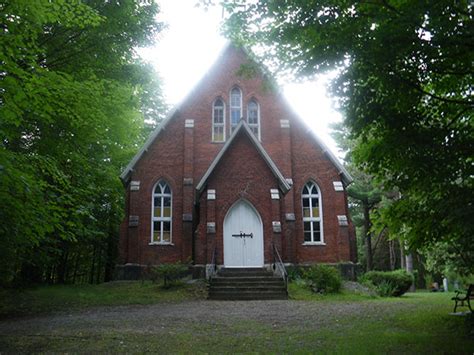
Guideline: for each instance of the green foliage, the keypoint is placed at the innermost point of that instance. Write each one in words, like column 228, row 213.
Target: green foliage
column 323, row 278
column 169, row 273
column 405, row 88
column 386, row 289
column 294, row 273
column 73, row 98
column 420, row 323
column 53, row 298
column 389, row 283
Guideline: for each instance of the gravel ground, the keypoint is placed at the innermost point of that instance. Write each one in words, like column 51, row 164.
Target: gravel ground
column 233, row 326
column 152, row 319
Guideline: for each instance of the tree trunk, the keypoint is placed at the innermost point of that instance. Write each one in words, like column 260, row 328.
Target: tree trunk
column 368, row 236
column 99, row 266
column 403, row 264
column 409, row 268
column 91, row 276
column 393, row 260
column 112, row 251
column 62, row 266
column 76, row 266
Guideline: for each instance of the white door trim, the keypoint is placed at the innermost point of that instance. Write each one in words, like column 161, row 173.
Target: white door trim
column 242, row 216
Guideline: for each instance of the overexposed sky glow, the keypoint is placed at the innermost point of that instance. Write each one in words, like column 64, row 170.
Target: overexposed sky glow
column 190, row 44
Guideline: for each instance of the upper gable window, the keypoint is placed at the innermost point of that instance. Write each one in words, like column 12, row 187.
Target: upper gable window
column 218, row 121
column 253, row 117
column 235, row 107
column 312, row 214
column 162, row 216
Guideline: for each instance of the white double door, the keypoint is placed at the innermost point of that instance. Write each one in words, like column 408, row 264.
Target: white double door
column 243, row 236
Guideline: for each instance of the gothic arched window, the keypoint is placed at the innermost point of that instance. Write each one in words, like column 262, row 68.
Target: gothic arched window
column 253, row 117
column 312, row 213
column 235, row 107
column 218, row 121
column 162, row 214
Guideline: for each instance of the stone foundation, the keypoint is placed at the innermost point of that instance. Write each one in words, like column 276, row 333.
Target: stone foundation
column 348, row 271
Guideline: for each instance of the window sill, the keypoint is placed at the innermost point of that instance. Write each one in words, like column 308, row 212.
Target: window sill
column 314, row 243
column 158, row 243
column 213, row 142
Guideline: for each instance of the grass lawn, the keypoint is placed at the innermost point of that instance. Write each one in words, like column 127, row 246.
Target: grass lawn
column 345, row 323
column 45, row 299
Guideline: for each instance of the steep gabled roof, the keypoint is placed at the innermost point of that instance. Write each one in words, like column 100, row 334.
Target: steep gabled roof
column 345, row 176
column 161, row 127
column 244, row 128
column 131, row 165
column 129, row 168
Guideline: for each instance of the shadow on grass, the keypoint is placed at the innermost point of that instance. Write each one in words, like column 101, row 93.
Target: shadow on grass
column 44, row 299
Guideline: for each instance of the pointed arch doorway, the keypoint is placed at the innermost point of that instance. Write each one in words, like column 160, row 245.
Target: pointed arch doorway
column 243, row 236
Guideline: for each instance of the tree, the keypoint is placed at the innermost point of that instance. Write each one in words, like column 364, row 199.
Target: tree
column 366, row 198
column 406, row 92
column 73, row 97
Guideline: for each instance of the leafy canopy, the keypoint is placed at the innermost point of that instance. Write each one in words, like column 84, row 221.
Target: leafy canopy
column 406, row 93
column 73, row 97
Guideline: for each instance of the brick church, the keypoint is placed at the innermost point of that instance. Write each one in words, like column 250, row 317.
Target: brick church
column 233, row 175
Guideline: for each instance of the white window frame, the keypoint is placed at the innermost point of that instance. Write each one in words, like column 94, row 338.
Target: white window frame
column 214, row 124
column 254, row 125
column 233, row 108
column 161, row 219
column 312, row 187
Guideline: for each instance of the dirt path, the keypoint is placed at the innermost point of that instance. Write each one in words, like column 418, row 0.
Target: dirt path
column 152, row 318
column 108, row 328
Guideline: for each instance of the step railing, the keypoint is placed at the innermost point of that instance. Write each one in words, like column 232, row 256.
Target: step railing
column 211, row 269
column 279, row 267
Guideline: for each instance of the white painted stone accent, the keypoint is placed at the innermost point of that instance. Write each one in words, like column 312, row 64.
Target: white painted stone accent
column 342, row 219
column 275, row 194
column 211, row 194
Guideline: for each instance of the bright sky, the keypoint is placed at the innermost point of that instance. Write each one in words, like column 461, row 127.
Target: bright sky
column 194, row 31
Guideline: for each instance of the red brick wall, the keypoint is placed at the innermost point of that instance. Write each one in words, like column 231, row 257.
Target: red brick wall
column 310, row 163
column 164, row 160
column 241, row 173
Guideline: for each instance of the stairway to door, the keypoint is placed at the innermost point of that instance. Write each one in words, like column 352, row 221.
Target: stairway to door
column 247, row 284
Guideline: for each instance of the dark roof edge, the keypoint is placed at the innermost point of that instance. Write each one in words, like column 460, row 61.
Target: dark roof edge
column 131, row 165
column 283, row 184
column 345, row 176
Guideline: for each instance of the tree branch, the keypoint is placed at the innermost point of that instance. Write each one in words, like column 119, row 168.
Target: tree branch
column 379, row 237
column 439, row 98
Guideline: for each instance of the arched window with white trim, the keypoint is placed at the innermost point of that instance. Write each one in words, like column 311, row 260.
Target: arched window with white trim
column 312, row 214
column 218, row 121
column 162, row 213
column 235, row 107
column 253, row 117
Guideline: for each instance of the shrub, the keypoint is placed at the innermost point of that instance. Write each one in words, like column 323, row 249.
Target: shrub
column 169, row 273
column 385, row 289
column 294, row 273
column 323, row 279
column 389, row 283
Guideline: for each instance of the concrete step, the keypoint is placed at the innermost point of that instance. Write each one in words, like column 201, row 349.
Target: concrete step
column 254, row 279
column 244, row 272
column 220, row 283
column 246, row 284
column 238, row 288
column 248, row 295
